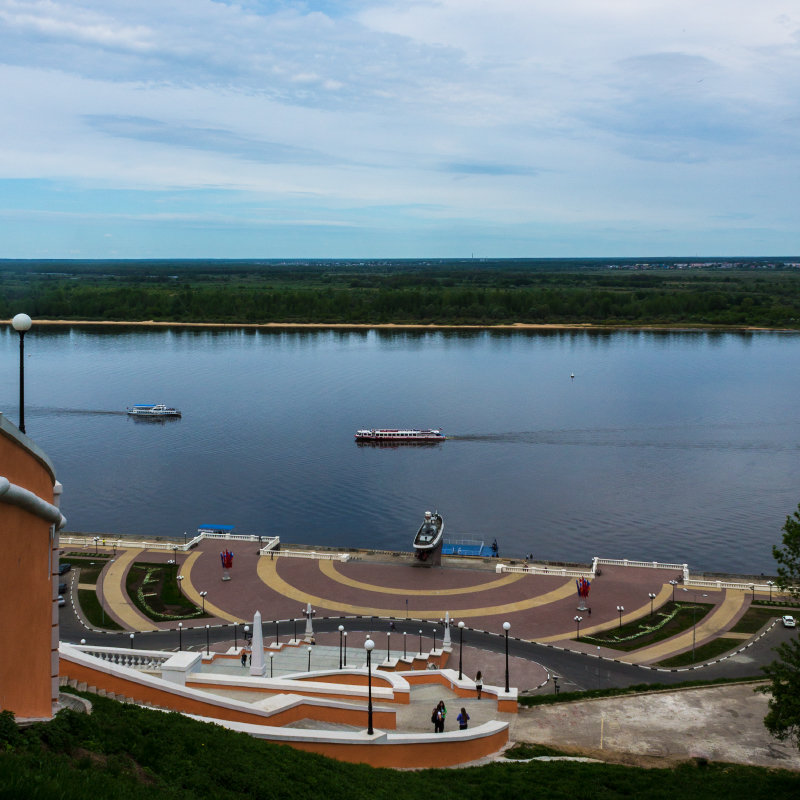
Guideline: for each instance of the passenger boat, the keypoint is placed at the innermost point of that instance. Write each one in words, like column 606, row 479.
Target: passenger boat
column 428, row 541
column 396, row 436
column 153, row 410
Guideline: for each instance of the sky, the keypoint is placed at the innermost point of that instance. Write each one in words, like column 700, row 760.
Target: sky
column 399, row 128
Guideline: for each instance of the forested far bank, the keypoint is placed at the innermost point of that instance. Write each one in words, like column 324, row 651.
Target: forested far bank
column 446, row 296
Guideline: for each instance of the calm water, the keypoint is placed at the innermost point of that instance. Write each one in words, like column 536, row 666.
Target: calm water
column 678, row 447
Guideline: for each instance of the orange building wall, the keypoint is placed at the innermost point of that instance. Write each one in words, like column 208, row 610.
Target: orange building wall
column 28, row 686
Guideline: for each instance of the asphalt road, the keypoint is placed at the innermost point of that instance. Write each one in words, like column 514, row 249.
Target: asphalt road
column 576, row 671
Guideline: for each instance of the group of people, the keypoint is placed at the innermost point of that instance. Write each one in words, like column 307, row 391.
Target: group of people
column 439, row 714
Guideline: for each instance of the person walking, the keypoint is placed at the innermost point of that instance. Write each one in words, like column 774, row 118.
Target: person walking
column 442, row 709
column 244, row 657
column 463, row 719
column 479, row 683
column 437, row 719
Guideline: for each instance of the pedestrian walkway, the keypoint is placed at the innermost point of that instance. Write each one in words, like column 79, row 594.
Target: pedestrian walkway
column 538, row 607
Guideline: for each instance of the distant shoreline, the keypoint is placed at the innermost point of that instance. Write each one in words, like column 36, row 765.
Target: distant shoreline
column 514, row 326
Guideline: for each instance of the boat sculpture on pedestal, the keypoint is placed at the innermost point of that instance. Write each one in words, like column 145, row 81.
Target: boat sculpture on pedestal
column 428, row 541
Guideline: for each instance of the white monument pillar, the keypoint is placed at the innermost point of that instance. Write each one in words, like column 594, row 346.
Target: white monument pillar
column 257, row 666
column 309, row 628
column 446, row 640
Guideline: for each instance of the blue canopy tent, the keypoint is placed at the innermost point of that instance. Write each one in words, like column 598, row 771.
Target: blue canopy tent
column 206, row 528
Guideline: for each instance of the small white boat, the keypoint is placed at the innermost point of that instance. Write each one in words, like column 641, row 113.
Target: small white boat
column 428, row 541
column 153, row 410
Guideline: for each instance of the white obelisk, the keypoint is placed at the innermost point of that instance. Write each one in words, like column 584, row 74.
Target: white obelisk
column 446, row 640
column 257, row 666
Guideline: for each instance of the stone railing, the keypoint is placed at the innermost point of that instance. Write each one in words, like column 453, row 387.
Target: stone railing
column 314, row 554
column 144, row 544
column 533, row 569
column 147, row 660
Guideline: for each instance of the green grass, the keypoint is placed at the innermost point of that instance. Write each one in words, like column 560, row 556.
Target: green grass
column 123, row 751
column 524, row 751
column 163, row 600
column 94, row 612
column 755, row 618
column 635, row 635
column 703, row 653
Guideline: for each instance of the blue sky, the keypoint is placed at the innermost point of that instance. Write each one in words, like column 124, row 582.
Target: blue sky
column 395, row 128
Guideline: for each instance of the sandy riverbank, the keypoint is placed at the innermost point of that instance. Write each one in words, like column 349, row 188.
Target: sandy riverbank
column 515, row 326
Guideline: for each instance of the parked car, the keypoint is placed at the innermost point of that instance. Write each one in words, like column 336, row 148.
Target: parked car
column 62, row 588
column 64, row 568
column 61, row 600
column 788, row 621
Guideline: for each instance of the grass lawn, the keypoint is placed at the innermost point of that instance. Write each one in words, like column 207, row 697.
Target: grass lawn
column 703, row 653
column 669, row 620
column 94, row 612
column 153, row 589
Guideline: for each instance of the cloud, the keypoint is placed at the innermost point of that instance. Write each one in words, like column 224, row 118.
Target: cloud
column 599, row 114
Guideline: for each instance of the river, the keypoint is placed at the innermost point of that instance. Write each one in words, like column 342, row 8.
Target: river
column 679, row 446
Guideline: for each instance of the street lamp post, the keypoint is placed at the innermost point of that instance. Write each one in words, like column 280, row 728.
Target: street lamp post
column 368, row 645
column 460, row 648
column 434, row 640
column 21, row 324
column 175, row 555
column 203, row 595
column 96, row 540
column 404, row 645
column 131, row 641
column 345, row 647
column 271, row 657
column 179, row 578
column 673, row 584
column 309, row 659
column 753, row 590
column 555, row 684
column 207, row 644
column 180, row 636
column 388, row 646
column 246, row 631
column 578, row 621
column 420, row 641
column 620, row 609
column 235, row 640
column 506, row 628
column 294, row 629
column 341, row 631
column 277, row 632
column 652, row 598
column 770, row 584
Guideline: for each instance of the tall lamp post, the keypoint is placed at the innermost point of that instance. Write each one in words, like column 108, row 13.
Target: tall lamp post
column 673, row 584
column 271, row 657
column 345, row 647
column 652, row 598
column 420, row 641
column 341, row 631
column 235, row 640
column 460, row 647
column 207, row 644
column 404, row 645
column 753, row 590
column 180, row 636
column 578, row 621
column 388, row 646
column 131, row 641
column 620, row 609
column 203, row 595
column 309, row 659
column 22, row 324
column 434, row 640
column 506, row 628
column 179, row 578
column 770, row 584
column 368, row 646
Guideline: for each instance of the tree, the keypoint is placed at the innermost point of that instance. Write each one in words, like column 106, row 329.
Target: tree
column 788, row 556
column 783, row 718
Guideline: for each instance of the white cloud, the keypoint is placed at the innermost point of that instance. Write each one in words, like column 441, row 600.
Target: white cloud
column 516, row 111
